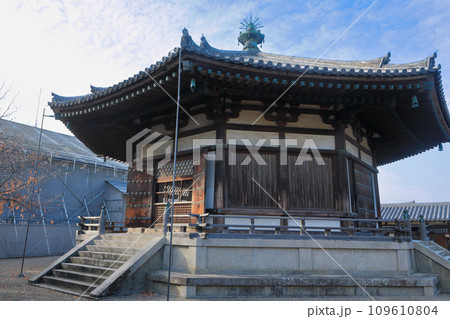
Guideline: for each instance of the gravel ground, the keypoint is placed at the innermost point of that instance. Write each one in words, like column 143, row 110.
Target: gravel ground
column 14, row 288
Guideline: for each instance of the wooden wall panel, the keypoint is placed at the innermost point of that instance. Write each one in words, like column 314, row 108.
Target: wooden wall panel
column 310, row 184
column 365, row 204
column 243, row 191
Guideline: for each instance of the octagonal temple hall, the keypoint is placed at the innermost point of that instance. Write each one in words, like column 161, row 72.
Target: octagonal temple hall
column 359, row 114
column 275, row 172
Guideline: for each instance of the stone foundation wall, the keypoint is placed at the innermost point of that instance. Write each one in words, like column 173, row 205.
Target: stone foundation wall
column 265, row 256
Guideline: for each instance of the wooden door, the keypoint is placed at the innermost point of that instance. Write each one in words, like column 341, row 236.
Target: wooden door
column 139, row 199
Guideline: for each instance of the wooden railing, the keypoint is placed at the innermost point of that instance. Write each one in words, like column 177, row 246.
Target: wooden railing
column 99, row 225
column 114, row 226
column 240, row 226
column 89, row 225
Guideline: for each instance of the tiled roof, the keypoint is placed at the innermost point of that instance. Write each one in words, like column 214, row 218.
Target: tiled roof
column 431, row 212
column 378, row 67
column 56, row 144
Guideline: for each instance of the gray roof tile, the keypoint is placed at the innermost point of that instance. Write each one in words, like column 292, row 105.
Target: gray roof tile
column 378, row 67
column 431, row 212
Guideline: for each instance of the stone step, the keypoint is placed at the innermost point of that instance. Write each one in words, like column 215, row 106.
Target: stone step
column 232, row 286
column 64, row 290
column 97, row 262
column 116, row 243
column 115, row 250
column 106, row 256
column 97, row 270
column 129, row 237
column 74, row 285
column 79, row 276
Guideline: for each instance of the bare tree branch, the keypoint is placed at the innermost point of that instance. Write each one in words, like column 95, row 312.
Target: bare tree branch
column 7, row 105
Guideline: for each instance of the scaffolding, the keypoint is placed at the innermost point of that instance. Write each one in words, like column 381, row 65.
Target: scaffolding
column 81, row 187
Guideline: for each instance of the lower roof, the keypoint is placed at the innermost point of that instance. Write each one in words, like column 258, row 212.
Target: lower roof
column 431, row 212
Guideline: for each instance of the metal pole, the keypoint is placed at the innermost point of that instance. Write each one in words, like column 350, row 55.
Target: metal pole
column 174, row 173
column 32, row 194
column 43, row 224
column 106, row 209
column 68, row 220
column 37, row 109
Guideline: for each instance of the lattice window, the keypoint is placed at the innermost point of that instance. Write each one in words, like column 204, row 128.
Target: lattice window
column 184, row 168
column 178, row 209
column 183, row 191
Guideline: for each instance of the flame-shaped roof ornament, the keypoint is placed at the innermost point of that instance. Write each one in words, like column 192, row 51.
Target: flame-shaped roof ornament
column 252, row 36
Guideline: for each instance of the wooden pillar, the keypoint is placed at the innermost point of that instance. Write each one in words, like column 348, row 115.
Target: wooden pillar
column 377, row 202
column 283, row 178
column 341, row 180
column 220, row 183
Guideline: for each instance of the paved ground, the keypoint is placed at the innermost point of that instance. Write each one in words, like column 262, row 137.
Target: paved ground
column 14, row 288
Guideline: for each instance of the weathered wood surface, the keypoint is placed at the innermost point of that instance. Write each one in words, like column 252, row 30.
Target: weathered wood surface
column 244, row 190
column 365, row 204
column 139, row 198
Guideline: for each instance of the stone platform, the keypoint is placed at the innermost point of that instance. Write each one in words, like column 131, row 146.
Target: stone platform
column 264, row 286
column 229, row 267
column 221, row 268
column 289, row 256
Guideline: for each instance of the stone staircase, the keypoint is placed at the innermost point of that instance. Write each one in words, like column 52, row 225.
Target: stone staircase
column 431, row 258
column 437, row 249
column 82, row 271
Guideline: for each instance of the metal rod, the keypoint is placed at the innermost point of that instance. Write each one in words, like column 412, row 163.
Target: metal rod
column 43, row 224
column 106, row 209
column 67, row 219
column 174, row 173
column 37, row 109
column 32, row 194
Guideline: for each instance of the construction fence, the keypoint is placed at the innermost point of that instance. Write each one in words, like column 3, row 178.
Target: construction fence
column 48, row 240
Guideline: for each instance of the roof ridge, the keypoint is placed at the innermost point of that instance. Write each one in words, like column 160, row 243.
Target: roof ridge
column 413, row 203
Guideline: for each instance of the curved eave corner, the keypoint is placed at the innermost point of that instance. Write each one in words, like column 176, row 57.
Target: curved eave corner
column 441, row 110
column 59, row 101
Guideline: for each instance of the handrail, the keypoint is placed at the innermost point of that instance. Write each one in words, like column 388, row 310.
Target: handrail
column 350, row 227
column 298, row 217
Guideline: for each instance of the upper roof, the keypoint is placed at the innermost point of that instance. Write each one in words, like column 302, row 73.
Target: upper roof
column 431, row 212
column 378, row 67
column 382, row 92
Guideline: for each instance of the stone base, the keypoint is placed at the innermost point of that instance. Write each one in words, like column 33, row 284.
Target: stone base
column 267, row 286
column 288, row 256
column 265, row 268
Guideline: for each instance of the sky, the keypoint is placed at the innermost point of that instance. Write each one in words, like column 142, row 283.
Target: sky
column 65, row 46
